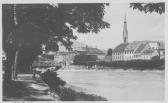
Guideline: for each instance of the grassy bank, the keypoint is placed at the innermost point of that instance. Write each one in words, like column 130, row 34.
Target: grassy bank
column 57, row 86
column 68, row 94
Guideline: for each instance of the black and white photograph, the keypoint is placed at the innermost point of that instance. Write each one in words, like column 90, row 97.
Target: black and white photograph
column 83, row 51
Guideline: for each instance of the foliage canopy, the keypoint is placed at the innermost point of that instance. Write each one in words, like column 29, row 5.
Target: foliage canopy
column 149, row 7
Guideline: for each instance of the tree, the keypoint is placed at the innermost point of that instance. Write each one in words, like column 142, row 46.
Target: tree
column 27, row 26
column 149, row 7
column 109, row 52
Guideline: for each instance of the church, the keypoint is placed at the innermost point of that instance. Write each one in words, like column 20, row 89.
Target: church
column 136, row 50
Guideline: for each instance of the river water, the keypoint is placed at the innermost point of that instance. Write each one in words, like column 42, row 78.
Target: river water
column 118, row 84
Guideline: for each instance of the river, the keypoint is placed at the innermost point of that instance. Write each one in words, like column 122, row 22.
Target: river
column 118, row 84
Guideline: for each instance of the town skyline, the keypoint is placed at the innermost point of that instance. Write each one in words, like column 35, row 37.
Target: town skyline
column 141, row 27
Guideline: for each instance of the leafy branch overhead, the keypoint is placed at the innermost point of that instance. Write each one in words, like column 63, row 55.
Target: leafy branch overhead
column 149, row 7
column 57, row 22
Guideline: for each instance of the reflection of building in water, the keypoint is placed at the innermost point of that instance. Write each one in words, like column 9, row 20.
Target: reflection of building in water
column 137, row 50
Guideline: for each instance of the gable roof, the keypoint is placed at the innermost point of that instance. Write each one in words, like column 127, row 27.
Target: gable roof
column 120, row 48
column 140, row 48
column 136, row 46
column 133, row 46
column 89, row 50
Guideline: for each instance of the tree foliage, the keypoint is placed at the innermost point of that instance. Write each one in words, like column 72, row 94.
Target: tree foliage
column 149, row 7
column 46, row 24
column 38, row 22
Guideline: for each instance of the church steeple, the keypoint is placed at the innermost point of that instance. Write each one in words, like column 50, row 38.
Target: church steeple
column 125, row 31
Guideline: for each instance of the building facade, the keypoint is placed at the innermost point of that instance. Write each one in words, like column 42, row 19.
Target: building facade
column 137, row 50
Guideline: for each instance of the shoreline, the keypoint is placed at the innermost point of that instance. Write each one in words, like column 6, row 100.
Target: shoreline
column 74, row 93
column 83, row 68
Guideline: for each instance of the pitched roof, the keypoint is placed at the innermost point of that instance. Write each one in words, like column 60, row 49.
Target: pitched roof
column 133, row 46
column 140, row 48
column 121, row 47
column 89, row 50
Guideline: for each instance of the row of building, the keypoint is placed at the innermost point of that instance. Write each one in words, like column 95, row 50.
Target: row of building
column 138, row 50
column 126, row 51
column 65, row 57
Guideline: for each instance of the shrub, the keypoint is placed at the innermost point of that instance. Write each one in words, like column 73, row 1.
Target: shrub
column 50, row 78
column 68, row 94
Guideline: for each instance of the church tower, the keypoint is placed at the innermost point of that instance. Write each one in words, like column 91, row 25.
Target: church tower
column 125, row 31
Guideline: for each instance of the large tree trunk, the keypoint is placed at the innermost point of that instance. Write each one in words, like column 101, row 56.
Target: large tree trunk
column 8, row 70
column 15, row 68
column 8, row 67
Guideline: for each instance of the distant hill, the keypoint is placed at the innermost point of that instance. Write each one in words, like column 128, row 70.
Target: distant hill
column 75, row 46
column 78, row 46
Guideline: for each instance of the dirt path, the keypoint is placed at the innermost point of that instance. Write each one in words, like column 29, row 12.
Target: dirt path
column 26, row 89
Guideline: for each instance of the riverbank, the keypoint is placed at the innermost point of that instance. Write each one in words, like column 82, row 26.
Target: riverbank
column 65, row 92
column 73, row 93
column 28, row 89
column 158, row 64
column 94, row 68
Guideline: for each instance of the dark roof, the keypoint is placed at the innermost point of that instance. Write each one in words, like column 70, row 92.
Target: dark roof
column 140, row 48
column 121, row 47
column 136, row 46
column 133, row 46
column 89, row 50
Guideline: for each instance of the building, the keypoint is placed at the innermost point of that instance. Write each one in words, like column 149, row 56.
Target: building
column 161, row 50
column 65, row 57
column 137, row 50
column 89, row 54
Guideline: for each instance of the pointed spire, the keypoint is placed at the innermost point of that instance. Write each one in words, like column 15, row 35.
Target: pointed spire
column 15, row 15
column 125, row 31
column 125, row 17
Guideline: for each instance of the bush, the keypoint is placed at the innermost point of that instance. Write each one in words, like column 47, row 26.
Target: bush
column 68, row 94
column 50, row 78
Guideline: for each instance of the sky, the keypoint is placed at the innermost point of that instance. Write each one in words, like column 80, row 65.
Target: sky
column 140, row 27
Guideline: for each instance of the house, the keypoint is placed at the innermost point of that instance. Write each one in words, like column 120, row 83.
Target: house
column 90, row 54
column 149, row 54
column 137, row 50
column 161, row 50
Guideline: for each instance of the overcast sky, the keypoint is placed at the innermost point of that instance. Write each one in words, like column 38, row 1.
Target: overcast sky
column 140, row 27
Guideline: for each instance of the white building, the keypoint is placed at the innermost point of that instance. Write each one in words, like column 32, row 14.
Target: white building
column 137, row 50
